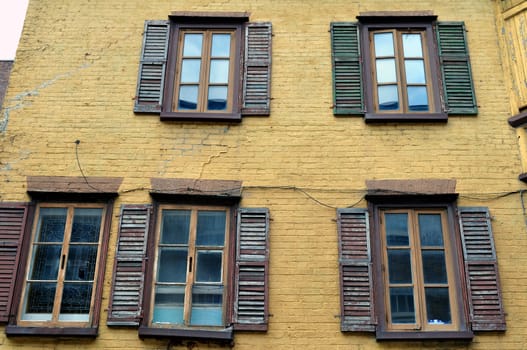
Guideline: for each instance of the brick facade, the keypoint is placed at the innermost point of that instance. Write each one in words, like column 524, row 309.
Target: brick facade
column 70, row 114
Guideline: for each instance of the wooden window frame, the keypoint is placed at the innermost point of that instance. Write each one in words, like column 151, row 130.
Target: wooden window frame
column 418, row 284
column 459, row 306
column 369, row 25
column 215, row 333
column 179, row 25
column 18, row 327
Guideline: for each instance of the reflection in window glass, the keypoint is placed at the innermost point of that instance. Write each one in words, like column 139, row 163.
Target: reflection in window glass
column 388, row 98
column 217, row 98
column 384, row 44
column 417, row 98
column 386, row 72
column 412, row 45
column 188, row 97
column 192, row 45
column 190, row 70
column 221, row 45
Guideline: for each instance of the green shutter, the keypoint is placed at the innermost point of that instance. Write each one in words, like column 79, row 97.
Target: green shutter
column 454, row 59
column 347, row 74
column 481, row 269
column 356, row 286
column 151, row 77
column 257, row 69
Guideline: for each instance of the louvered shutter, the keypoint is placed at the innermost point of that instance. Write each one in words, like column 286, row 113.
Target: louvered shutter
column 251, row 275
column 150, row 81
column 455, row 68
column 486, row 308
column 12, row 224
column 257, row 69
column 347, row 74
column 357, row 307
column 126, row 296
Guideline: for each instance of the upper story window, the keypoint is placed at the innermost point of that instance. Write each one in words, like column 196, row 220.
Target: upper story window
column 401, row 67
column 205, row 71
column 205, row 66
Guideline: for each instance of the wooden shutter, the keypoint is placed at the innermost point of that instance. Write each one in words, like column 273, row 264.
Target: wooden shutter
column 486, row 308
column 251, row 275
column 126, row 296
column 12, row 225
column 347, row 74
column 151, row 77
column 455, row 68
column 257, row 69
column 356, row 287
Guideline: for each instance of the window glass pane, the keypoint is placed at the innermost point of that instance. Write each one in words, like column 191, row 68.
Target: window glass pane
column 385, row 70
column 211, row 228
column 399, row 266
column 430, row 230
column 76, row 298
column 207, row 305
column 417, row 98
column 217, row 98
column 383, row 44
column 438, row 306
column 388, row 97
column 192, row 44
column 219, row 72
column 415, row 71
column 175, row 227
column 402, row 305
column 209, row 266
column 45, row 262
column 40, row 297
column 221, row 45
column 172, row 265
column 412, row 45
column 86, row 225
column 51, row 225
column 81, row 263
column 397, row 229
column 168, row 304
column 188, row 97
column 190, row 69
column 434, row 266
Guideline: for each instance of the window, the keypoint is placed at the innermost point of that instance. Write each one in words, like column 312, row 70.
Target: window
column 191, row 267
column 401, row 67
column 201, row 262
column 419, row 284
column 64, row 255
column 205, row 66
column 409, row 271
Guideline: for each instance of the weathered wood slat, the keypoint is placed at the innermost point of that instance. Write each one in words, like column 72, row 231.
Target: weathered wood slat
column 251, row 292
column 481, row 268
column 126, row 296
column 257, row 69
column 357, row 311
column 12, row 224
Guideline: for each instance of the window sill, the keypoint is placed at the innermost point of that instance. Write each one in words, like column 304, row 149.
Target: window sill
column 452, row 335
column 406, row 117
column 207, row 117
column 17, row 331
column 224, row 335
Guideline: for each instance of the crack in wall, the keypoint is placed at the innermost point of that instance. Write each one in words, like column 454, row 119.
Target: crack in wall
column 20, row 101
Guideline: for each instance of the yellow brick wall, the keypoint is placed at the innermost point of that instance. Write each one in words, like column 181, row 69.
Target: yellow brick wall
column 75, row 77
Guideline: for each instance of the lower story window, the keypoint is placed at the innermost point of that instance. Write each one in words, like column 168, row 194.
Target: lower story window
column 190, row 271
column 63, row 259
column 418, row 274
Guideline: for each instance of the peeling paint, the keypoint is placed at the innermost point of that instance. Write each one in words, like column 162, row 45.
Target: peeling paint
column 20, row 100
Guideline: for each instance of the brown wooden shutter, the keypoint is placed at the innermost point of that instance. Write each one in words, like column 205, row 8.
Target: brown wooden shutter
column 481, row 268
column 356, row 287
column 251, row 275
column 12, row 225
column 126, row 296
column 150, row 81
column 257, row 69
